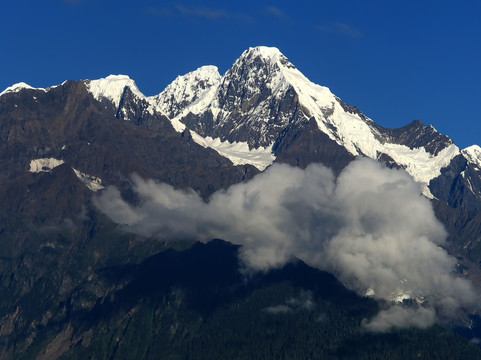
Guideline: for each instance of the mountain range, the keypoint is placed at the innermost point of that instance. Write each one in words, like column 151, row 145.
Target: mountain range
column 83, row 275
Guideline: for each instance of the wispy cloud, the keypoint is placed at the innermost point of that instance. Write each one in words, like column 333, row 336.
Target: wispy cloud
column 212, row 13
column 293, row 305
column 277, row 12
column 340, row 28
column 278, row 309
column 203, row 12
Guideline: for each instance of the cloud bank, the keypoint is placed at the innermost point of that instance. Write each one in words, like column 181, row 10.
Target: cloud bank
column 370, row 227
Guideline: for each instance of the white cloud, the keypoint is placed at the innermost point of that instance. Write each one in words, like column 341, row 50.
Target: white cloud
column 212, row 13
column 277, row 12
column 370, row 227
column 204, row 12
column 401, row 317
column 341, row 28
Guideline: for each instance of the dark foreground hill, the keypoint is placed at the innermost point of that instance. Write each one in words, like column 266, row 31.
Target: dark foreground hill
column 194, row 304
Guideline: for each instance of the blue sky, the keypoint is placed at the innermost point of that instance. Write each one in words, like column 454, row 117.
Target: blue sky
column 395, row 60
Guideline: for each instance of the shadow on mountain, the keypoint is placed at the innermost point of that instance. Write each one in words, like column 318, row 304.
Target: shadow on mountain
column 209, row 274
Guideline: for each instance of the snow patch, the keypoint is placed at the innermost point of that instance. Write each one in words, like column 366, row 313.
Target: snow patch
column 238, row 152
column 44, row 164
column 420, row 164
column 92, row 182
column 47, row 164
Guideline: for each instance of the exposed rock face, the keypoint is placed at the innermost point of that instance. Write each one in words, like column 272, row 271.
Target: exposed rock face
column 67, row 123
column 51, row 237
column 252, row 103
column 418, row 135
column 303, row 144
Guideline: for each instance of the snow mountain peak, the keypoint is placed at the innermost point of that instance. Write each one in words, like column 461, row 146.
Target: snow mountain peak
column 112, row 87
column 186, row 89
column 18, row 87
column 263, row 95
column 266, row 53
column 473, row 155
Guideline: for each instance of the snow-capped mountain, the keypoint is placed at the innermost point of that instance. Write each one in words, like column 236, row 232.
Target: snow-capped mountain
column 186, row 90
column 254, row 112
column 61, row 146
column 112, row 88
column 17, row 87
column 473, row 155
column 262, row 110
column 263, row 93
column 245, row 114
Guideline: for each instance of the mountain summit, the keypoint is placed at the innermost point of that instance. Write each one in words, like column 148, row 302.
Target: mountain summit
column 186, row 90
